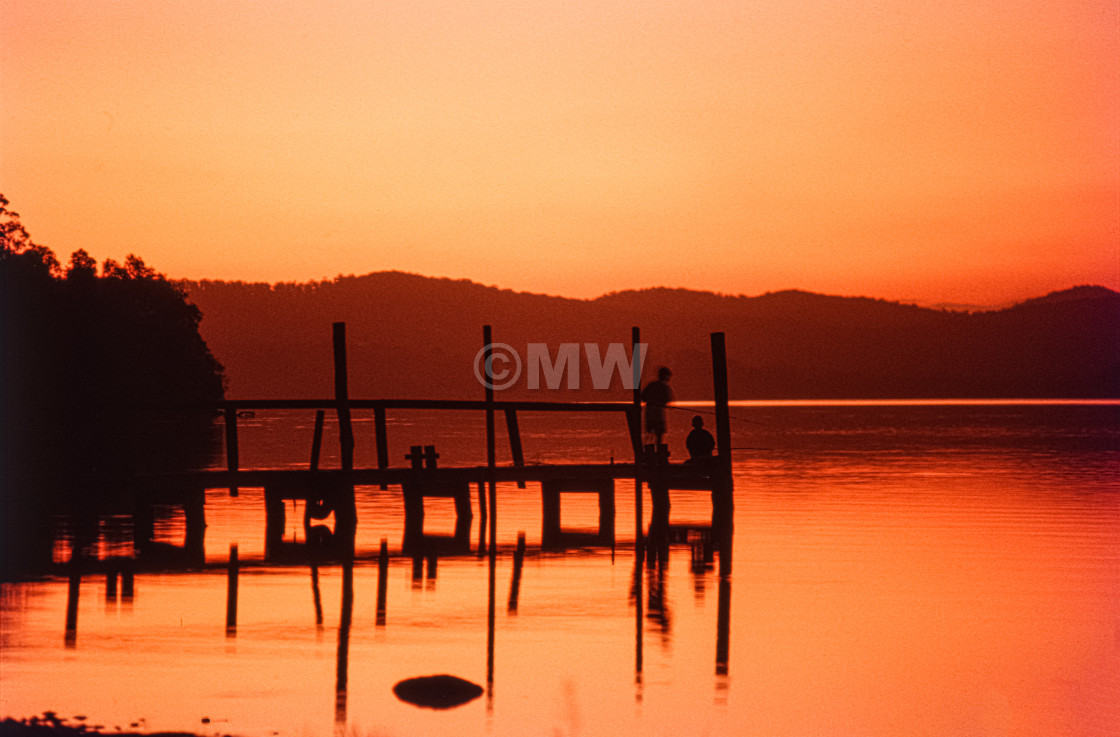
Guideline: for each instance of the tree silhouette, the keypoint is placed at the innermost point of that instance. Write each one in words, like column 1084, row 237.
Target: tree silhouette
column 102, row 376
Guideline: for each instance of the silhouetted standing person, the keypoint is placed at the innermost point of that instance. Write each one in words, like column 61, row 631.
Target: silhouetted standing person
column 699, row 442
column 657, row 395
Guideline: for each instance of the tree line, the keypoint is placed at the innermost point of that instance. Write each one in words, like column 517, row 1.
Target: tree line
column 103, row 372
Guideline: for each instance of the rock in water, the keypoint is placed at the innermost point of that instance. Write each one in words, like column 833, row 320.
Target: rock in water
column 437, row 692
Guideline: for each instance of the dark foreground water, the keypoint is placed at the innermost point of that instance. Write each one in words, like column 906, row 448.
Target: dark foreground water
column 919, row 569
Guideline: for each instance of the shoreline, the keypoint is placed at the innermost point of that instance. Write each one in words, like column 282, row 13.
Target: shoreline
column 51, row 725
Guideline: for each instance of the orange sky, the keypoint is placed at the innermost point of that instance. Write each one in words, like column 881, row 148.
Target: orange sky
column 957, row 151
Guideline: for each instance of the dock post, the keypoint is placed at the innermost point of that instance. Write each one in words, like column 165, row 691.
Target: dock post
column 606, row 511
column 231, row 592
column 317, row 439
column 413, row 502
column 657, row 462
column 233, row 462
column 315, row 506
column 381, row 437
column 723, row 503
column 346, row 512
column 275, row 520
column 635, row 417
column 550, row 512
column 491, row 454
column 482, row 518
column 111, row 583
column 128, row 580
column 515, row 450
column 463, row 514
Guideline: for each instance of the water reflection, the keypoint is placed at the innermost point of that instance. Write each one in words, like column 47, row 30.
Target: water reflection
column 342, row 670
column 892, row 586
column 492, row 569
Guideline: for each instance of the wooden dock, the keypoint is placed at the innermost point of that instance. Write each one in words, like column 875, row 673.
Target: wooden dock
column 327, row 491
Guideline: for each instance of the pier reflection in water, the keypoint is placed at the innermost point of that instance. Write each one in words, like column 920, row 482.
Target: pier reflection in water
column 567, row 572
column 958, row 572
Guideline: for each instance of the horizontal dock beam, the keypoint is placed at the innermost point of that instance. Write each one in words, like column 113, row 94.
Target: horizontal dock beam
column 441, row 404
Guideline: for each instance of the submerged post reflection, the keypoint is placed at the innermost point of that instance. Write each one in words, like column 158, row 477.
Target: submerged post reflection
column 343, row 663
column 382, row 580
column 515, row 581
column 492, row 565
column 637, row 595
column 723, row 626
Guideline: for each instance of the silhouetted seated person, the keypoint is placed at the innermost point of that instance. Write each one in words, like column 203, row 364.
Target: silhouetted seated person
column 657, row 395
column 700, row 443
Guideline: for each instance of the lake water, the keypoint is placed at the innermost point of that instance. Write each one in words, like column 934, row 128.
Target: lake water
column 898, row 568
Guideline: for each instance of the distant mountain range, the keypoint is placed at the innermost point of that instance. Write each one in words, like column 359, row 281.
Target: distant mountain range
column 415, row 336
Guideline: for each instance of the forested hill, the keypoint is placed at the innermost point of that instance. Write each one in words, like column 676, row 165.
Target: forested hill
column 414, row 336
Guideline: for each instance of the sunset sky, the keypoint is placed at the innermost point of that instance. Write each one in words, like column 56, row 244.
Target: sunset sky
column 961, row 151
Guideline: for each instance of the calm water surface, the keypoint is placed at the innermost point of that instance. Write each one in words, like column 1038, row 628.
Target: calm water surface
column 920, row 569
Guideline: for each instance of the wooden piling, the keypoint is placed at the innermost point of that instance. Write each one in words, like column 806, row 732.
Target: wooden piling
column 636, row 364
column 346, row 514
column 342, row 397
column 231, row 592
column 128, row 580
column 723, row 413
column 635, row 415
column 489, row 390
column 233, row 461
column 491, row 455
column 275, row 515
column 381, row 438
column 317, row 439
column 483, row 516
column 634, row 425
column 514, row 433
column 723, row 503
column 111, row 583
column 414, row 497
column 314, row 505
